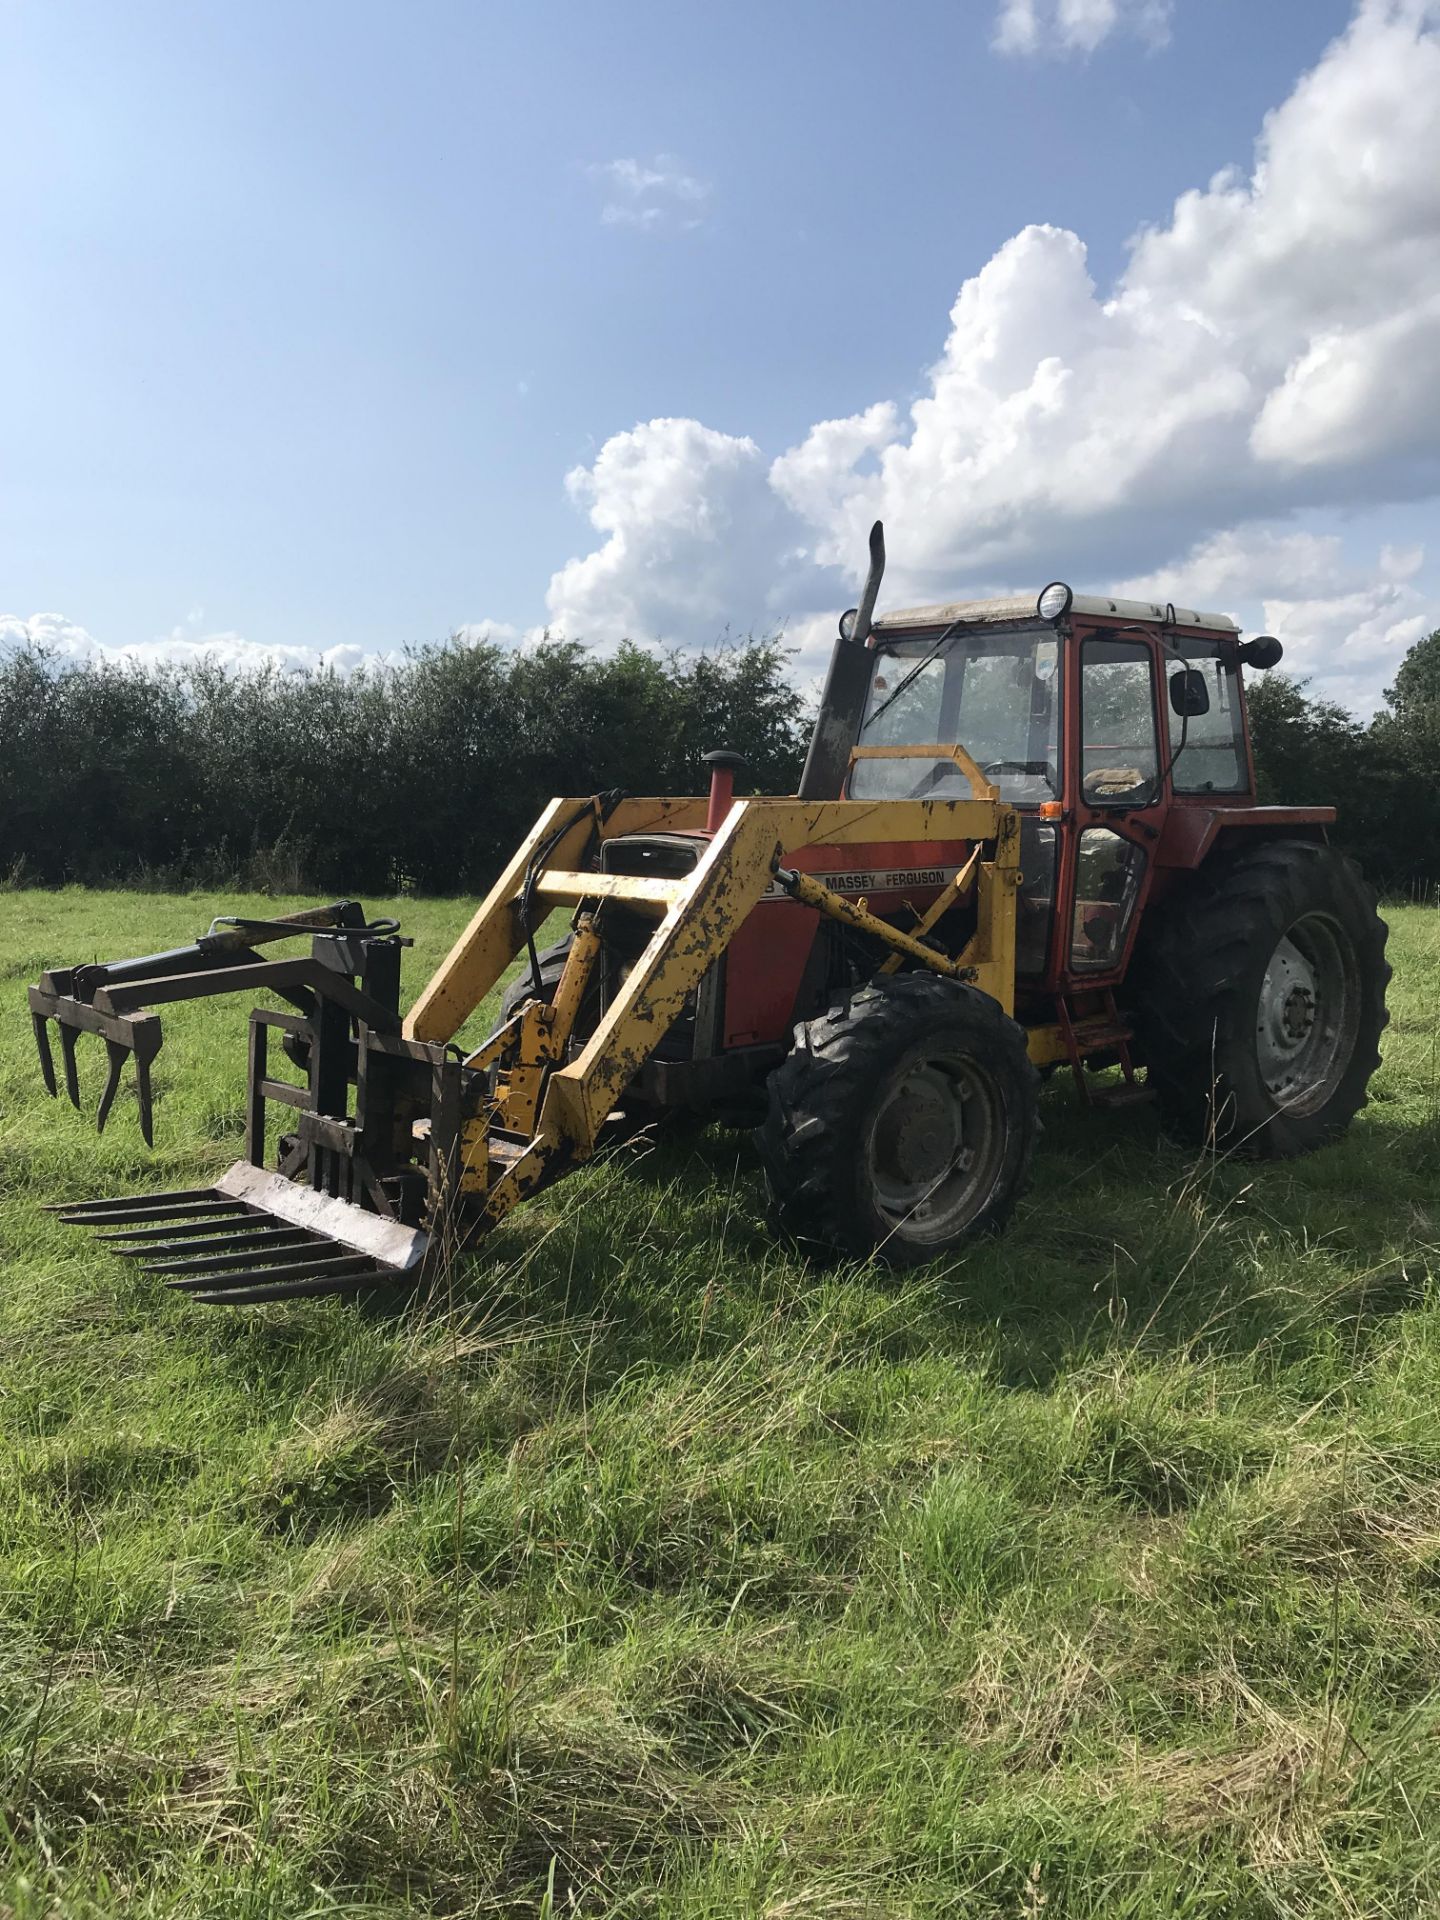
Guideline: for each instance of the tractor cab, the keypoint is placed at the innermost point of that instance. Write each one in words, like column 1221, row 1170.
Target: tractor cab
column 1094, row 718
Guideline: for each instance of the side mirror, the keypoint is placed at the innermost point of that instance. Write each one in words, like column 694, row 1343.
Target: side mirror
column 1189, row 695
column 1264, row 652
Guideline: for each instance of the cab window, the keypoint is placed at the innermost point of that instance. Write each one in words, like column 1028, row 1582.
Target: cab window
column 1119, row 761
column 993, row 691
column 1212, row 756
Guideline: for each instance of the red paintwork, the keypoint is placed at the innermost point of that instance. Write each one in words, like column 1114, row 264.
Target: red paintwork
column 1176, row 831
column 764, row 965
column 766, row 959
column 881, row 858
column 1191, row 831
column 722, row 792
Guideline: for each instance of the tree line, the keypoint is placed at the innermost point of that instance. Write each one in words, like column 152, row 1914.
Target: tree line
column 1383, row 775
column 424, row 775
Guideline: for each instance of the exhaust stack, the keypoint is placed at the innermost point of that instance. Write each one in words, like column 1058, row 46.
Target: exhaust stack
column 846, row 685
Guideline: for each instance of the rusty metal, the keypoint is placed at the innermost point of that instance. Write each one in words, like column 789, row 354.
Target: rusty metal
column 948, row 896
column 354, row 1280
column 183, row 1257
column 314, row 1265
column 178, row 1232
column 125, row 1210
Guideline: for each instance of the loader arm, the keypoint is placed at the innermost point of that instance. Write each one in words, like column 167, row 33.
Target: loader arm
column 696, row 918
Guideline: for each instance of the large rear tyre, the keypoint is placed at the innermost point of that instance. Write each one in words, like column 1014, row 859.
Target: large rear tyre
column 552, row 965
column 902, row 1123
column 1263, row 1001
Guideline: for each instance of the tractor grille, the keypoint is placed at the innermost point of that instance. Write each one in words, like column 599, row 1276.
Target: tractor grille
column 253, row 1237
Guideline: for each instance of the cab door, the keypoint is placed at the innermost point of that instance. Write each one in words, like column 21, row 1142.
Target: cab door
column 1115, row 806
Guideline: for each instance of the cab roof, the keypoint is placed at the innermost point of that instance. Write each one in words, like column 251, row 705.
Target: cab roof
column 1017, row 607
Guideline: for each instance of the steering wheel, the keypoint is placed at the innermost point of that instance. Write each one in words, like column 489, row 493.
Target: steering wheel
column 1043, row 767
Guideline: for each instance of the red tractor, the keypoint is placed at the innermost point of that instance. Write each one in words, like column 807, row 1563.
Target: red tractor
column 1026, row 837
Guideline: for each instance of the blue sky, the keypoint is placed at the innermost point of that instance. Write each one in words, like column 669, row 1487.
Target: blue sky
column 312, row 309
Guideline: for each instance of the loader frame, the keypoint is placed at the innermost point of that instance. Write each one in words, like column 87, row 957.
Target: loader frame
column 555, row 1099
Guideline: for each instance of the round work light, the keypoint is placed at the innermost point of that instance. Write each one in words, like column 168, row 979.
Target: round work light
column 1054, row 601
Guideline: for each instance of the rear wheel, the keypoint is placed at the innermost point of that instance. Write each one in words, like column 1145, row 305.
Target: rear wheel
column 1263, row 1000
column 903, row 1121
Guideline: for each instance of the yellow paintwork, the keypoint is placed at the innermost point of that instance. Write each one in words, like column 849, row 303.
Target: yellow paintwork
column 1046, row 1046
column 948, row 895
column 979, row 785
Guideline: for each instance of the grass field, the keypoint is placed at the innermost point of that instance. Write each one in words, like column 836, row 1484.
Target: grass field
column 1097, row 1574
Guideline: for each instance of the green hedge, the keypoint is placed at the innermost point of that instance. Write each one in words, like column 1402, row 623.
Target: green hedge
column 419, row 776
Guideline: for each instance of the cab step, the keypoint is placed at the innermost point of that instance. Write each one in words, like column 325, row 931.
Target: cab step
column 1103, row 1032
column 1129, row 1093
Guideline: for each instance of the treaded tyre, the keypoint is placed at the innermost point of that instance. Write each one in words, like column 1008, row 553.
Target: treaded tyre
column 1262, row 1000
column 903, row 1121
column 552, row 965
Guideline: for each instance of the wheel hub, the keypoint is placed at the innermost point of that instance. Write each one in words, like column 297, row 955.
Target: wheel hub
column 1298, row 1014
column 922, row 1129
column 1305, row 1019
column 931, row 1148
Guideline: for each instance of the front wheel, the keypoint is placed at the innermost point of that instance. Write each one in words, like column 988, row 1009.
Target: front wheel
column 1262, row 1001
column 903, row 1121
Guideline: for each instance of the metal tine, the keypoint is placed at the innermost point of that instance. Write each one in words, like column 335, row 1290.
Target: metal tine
column 234, row 1255
column 118, row 1053
column 304, row 1269
column 154, row 1244
column 183, row 1229
column 68, row 1037
column 147, row 1099
column 118, row 1215
column 130, row 1200
column 354, row 1282
column 39, row 1022
column 144, row 1243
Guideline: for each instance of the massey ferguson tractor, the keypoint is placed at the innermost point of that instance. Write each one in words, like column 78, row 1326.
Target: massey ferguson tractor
column 1026, row 837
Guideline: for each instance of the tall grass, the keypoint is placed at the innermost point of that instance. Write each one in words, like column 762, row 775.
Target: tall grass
column 659, row 1572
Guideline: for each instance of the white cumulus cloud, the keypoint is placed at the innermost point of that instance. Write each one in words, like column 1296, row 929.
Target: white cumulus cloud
column 1345, row 626
column 693, row 539
column 1076, row 26
column 1271, row 348
column 650, row 194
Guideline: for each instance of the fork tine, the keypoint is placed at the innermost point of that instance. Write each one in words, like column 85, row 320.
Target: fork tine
column 69, row 1036
column 147, row 1099
column 118, row 1055
column 47, row 1058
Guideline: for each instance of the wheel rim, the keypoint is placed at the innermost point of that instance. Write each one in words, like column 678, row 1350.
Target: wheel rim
column 934, row 1149
column 1308, row 1014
